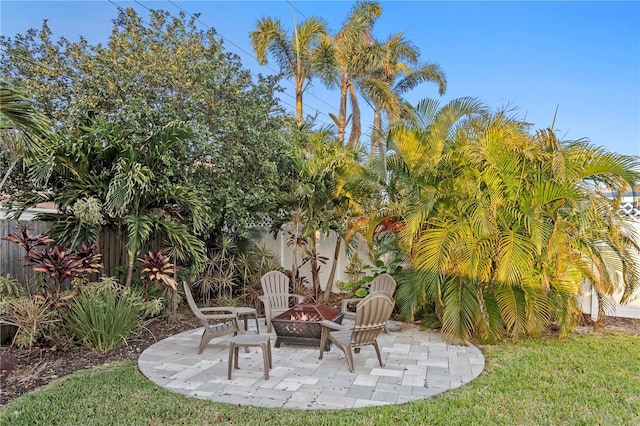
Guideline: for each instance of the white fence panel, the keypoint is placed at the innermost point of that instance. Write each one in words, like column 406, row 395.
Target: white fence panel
column 589, row 299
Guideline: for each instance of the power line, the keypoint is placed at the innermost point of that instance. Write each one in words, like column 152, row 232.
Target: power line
column 142, row 5
column 245, row 51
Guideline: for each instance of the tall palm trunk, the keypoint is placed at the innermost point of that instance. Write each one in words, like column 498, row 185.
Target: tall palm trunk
column 376, row 137
column 131, row 257
column 356, row 127
column 315, row 275
column 299, row 101
column 483, row 310
column 334, row 266
column 341, row 120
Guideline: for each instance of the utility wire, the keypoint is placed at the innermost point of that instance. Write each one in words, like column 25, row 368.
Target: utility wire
column 251, row 55
column 198, row 20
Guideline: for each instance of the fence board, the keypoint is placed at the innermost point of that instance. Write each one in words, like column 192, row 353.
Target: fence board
column 112, row 247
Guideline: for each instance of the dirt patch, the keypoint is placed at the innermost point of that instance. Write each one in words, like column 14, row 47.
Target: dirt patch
column 30, row 369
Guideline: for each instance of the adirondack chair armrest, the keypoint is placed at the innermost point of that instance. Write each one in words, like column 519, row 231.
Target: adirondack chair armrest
column 333, row 325
column 221, row 309
column 219, row 313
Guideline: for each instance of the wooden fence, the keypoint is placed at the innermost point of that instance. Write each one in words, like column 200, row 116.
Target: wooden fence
column 12, row 256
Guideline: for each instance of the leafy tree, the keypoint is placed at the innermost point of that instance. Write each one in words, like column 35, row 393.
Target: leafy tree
column 126, row 174
column 149, row 75
column 23, row 130
column 319, row 202
column 295, row 55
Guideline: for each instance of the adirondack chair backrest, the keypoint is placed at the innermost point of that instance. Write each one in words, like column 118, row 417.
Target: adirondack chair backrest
column 372, row 313
column 275, row 289
column 383, row 283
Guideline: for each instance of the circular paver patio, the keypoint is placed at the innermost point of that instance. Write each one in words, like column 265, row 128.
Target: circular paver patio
column 417, row 364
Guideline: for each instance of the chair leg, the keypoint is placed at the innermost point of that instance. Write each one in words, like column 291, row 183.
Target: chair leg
column 269, row 350
column 349, row 355
column 232, row 348
column 266, row 359
column 257, row 328
column 324, row 334
column 204, row 341
column 375, row 345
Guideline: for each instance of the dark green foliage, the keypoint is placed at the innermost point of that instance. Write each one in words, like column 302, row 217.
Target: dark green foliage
column 145, row 77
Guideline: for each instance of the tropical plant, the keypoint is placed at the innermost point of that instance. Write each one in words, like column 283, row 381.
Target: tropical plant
column 157, row 267
column 501, row 226
column 123, row 173
column 296, row 55
column 23, row 130
column 57, row 264
column 26, row 240
column 105, row 314
column 36, row 320
column 10, row 287
column 395, row 71
column 29, row 243
column 233, row 271
column 345, row 56
column 319, row 204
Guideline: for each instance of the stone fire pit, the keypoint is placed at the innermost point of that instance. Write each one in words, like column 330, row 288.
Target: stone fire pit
column 300, row 325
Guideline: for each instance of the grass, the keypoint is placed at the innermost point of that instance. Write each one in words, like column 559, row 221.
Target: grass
column 585, row 380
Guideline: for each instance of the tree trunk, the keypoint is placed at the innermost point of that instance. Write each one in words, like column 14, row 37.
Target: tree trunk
column 602, row 315
column 356, row 125
column 130, row 261
column 334, row 266
column 341, row 121
column 483, row 310
column 315, row 275
column 299, row 104
column 376, row 137
column 6, row 175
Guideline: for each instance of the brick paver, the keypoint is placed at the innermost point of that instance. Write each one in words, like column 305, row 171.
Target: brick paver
column 417, row 365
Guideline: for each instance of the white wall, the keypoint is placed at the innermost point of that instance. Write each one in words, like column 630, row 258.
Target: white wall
column 590, row 305
column 590, row 300
column 326, row 246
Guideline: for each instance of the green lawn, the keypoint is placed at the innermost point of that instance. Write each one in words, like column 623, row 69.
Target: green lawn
column 585, row 380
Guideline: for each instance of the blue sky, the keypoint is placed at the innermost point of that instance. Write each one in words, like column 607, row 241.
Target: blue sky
column 581, row 57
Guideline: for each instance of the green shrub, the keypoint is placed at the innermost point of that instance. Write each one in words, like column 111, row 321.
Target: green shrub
column 105, row 314
column 10, row 287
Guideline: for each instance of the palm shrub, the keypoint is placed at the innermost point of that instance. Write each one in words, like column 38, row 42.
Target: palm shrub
column 234, row 268
column 502, row 226
column 105, row 314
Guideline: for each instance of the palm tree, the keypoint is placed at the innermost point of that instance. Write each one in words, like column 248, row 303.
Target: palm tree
column 345, row 56
column 515, row 222
column 23, row 130
column 319, row 203
column 396, row 73
column 126, row 175
column 295, row 55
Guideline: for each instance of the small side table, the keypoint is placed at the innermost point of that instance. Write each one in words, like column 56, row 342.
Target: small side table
column 244, row 313
column 250, row 340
